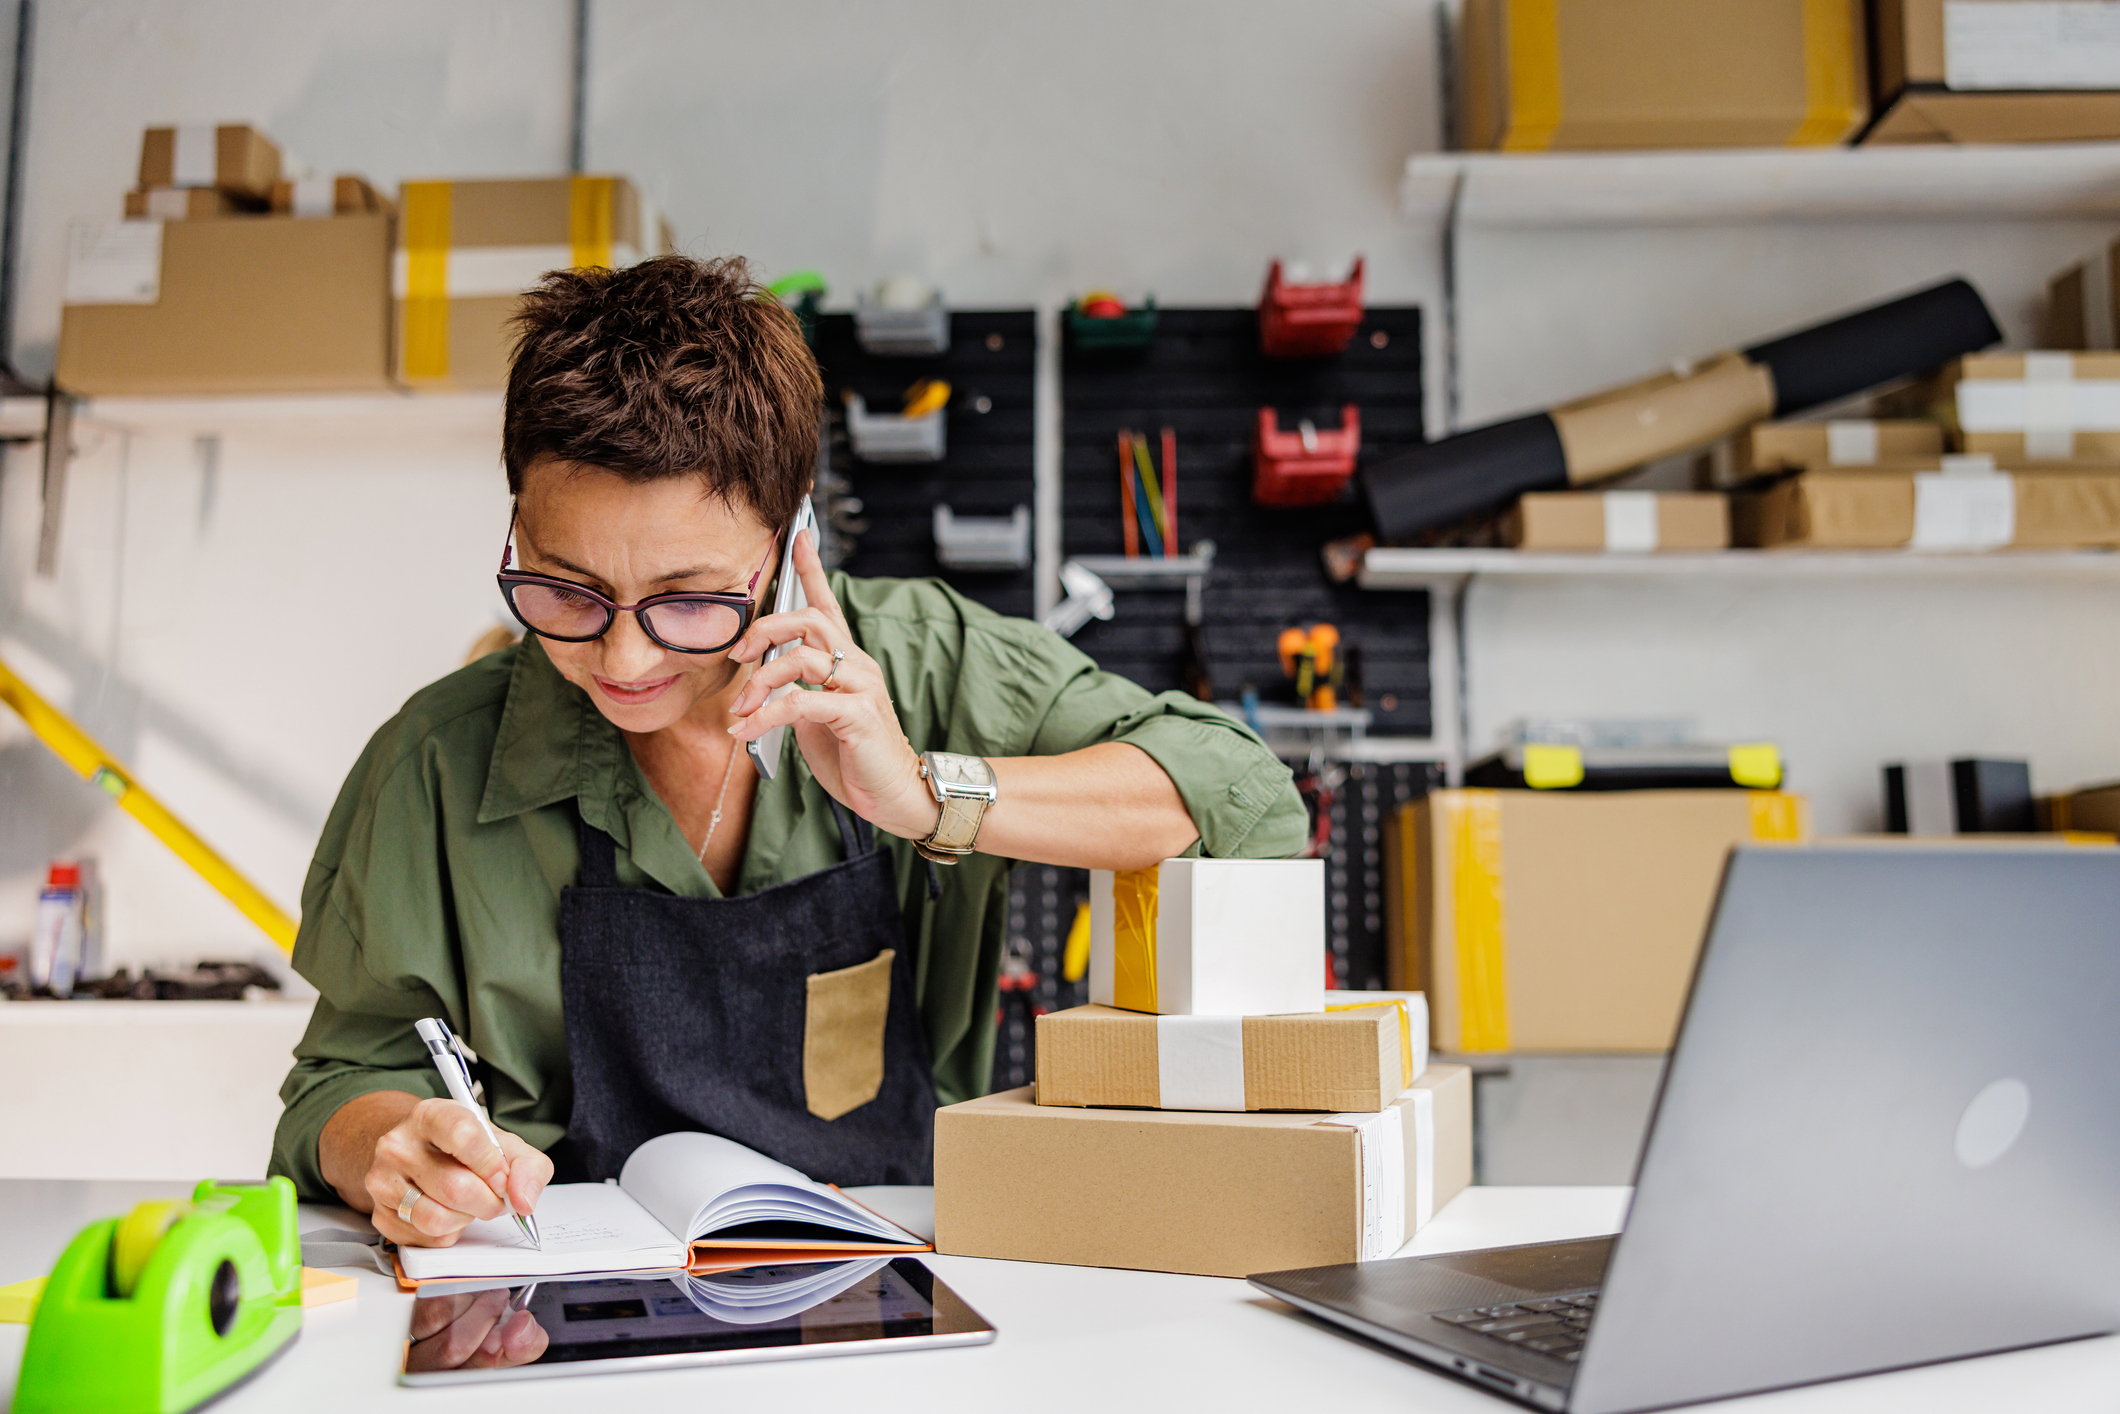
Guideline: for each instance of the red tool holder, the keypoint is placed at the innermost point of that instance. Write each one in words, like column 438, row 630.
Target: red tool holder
column 1306, row 467
column 1308, row 321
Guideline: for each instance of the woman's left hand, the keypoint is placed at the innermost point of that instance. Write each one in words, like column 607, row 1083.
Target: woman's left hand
column 848, row 732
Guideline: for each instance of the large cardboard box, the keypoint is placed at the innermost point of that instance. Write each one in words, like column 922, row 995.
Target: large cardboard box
column 234, row 157
column 1934, row 507
column 1619, row 522
column 467, row 250
column 1210, row 937
column 1538, row 74
column 1358, row 1054
column 242, row 305
column 1860, row 441
column 1220, row 1195
column 1564, row 920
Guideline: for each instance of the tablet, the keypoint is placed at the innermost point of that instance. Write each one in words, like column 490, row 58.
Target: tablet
column 579, row 1327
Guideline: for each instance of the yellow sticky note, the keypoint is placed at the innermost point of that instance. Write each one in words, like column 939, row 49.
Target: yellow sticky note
column 320, row 1288
column 19, row 1302
column 1552, row 767
column 1756, row 764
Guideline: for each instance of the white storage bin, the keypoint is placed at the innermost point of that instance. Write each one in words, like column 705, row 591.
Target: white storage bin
column 903, row 333
column 983, row 542
column 891, row 437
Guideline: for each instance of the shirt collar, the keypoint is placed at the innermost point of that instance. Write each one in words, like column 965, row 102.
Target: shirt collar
column 546, row 735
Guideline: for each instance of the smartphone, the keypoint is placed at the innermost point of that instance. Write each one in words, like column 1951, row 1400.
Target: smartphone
column 787, row 597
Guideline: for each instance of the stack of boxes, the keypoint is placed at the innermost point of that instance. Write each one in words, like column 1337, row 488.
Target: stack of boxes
column 1214, row 1109
column 230, row 275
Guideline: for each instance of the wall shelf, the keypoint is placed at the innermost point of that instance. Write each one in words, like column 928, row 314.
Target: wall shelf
column 1426, row 569
column 1634, row 189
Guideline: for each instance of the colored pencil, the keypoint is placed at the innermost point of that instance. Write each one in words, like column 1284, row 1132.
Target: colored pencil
column 1170, row 487
column 1126, row 494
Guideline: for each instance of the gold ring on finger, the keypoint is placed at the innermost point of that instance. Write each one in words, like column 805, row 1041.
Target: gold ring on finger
column 839, row 655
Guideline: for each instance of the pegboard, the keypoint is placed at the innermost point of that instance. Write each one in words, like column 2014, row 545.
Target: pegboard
column 990, row 366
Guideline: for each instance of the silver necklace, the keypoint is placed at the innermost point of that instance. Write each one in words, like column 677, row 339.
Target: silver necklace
column 714, row 820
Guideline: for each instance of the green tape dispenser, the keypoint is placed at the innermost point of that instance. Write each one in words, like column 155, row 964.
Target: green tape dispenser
column 161, row 1310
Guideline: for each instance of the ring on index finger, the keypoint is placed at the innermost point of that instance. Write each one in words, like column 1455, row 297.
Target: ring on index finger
column 839, row 656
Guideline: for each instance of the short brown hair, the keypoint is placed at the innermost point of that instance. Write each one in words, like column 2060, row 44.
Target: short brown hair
column 672, row 367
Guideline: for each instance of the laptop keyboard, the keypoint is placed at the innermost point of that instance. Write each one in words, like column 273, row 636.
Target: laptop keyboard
column 1552, row 1325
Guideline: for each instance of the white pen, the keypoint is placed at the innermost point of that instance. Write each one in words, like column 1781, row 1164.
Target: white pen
column 441, row 1045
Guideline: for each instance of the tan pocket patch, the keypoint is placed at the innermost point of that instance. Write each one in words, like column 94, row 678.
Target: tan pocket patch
column 842, row 1036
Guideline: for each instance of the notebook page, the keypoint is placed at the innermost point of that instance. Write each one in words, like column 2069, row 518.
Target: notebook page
column 696, row 1184
column 587, row 1227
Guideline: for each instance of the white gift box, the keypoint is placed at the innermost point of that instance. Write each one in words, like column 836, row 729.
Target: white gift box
column 1217, row 937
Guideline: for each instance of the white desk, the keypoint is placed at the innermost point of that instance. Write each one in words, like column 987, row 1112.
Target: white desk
column 1073, row 1339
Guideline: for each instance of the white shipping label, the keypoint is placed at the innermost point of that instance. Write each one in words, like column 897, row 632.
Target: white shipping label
column 1382, row 1147
column 499, row 269
column 114, row 262
column 315, row 196
column 2031, row 44
column 2007, row 405
column 169, row 203
column 1958, row 512
column 1200, row 1062
column 1630, row 521
column 1423, row 1106
column 1851, row 443
column 193, row 164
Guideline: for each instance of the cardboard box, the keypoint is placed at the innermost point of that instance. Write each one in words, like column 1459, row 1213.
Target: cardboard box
column 2094, row 809
column 235, row 306
column 2039, row 406
column 234, row 157
column 343, row 195
column 1995, row 45
column 1360, row 1053
column 1621, row 522
column 1937, row 116
column 2083, row 303
column 1182, row 1191
column 1659, row 73
column 1866, row 441
column 181, row 204
column 1934, row 508
column 467, row 250
column 1564, row 920
column 1209, row 937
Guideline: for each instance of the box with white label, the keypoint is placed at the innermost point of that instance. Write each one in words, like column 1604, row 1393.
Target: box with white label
column 1359, row 1053
column 2041, row 406
column 1957, row 503
column 1619, row 522
column 1853, row 441
column 1185, row 1191
column 1217, row 937
column 234, row 158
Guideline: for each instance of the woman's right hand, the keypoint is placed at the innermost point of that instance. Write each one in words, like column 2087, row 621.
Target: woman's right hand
column 438, row 1147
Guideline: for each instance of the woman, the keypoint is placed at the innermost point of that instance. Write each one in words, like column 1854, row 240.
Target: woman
column 566, row 851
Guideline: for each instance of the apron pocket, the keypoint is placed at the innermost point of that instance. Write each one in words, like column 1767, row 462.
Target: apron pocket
column 842, row 1035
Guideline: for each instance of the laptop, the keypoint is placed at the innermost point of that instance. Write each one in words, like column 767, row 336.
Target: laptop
column 1888, row 1135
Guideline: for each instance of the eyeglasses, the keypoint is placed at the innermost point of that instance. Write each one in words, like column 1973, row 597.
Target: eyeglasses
column 574, row 613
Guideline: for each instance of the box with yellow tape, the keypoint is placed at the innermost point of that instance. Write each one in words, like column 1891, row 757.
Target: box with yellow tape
column 466, row 251
column 1754, row 765
column 1563, row 920
column 1549, row 74
column 1360, row 1053
column 1211, row 937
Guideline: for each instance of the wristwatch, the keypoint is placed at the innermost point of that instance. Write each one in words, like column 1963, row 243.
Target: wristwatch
column 964, row 787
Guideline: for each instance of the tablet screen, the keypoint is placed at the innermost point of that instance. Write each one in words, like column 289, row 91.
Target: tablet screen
column 726, row 1314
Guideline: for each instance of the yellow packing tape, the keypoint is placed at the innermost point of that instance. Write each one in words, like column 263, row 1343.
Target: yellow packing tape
column 1134, row 938
column 1476, row 899
column 425, row 217
column 1405, row 1031
column 82, row 752
column 589, row 220
column 1828, row 72
column 1533, row 42
column 1756, row 765
column 1776, row 816
column 1552, row 767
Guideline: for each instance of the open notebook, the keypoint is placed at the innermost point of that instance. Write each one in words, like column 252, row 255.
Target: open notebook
column 683, row 1201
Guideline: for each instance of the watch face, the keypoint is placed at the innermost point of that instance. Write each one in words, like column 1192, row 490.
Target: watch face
column 951, row 769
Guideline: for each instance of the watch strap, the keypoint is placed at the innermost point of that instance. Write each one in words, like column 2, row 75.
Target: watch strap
column 957, row 829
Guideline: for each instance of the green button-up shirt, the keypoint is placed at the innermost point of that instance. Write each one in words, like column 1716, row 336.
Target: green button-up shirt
column 435, row 888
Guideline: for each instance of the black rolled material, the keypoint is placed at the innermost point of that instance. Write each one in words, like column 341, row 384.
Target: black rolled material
column 1481, row 470
column 1904, row 336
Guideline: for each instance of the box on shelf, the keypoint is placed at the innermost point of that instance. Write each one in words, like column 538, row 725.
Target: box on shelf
column 236, row 306
column 1936, row 116
column 343, row 195
column 1659, row 73
column 1956, row 503
column 1864, row 441
column 2093, row 808
column 181, row 204
column 2042, row 405
column 1209, row 937
column 1359, row 1053
column 1995, row 71
column 1965, row 797
column 1619, row 521
column 1186, row 1191
column 1563, row 920
column 2083, row 303
column 466, row 251
column 234, row 157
